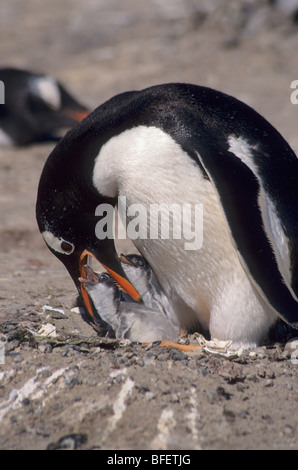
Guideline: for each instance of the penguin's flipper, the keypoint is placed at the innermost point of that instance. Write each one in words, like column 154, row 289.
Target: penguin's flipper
column 258, row 192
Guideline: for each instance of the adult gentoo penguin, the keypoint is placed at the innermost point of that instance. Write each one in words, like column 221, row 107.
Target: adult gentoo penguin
column 36, row 108
column 184, row 144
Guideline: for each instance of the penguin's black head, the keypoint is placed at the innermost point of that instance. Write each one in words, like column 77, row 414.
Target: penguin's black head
column 66, row 211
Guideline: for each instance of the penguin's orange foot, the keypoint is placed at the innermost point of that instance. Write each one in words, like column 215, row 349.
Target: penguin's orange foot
column 171, row 344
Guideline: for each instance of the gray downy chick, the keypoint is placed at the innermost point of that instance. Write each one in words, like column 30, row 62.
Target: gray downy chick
column 129, row 320
column 143, row 279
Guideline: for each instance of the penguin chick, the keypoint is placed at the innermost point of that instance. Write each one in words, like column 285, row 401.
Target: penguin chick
column 142, row 277
column 129, row 320
column 104, row 294
column 138, row 272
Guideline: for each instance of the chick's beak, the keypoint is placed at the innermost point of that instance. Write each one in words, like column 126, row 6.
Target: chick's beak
column 124, row 259
column 119, row 278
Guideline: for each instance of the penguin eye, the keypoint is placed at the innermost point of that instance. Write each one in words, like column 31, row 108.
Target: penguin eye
column 67, row 247
column 57, row 243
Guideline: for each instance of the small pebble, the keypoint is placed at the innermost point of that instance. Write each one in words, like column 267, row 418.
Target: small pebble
column 91, row 381
column 252, row 378
column 223, row 393
column 174, row 398
column 69, row 442
column 152, row 354
column 71, row 379
column 13, row 394
column 163, row 357
column 203, row 371
column 45, row 347
column 229, row 415
column 140, row 362
column 178, row 355
column 288, row 431
column 18, row 358
column 10, row 346
column 268, row 383
column 149, row 395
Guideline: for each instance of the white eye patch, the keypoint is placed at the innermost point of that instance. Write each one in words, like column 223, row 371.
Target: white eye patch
column 48, row 90
column 57, row 243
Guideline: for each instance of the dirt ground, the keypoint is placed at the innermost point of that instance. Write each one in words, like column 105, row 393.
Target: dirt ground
column 61, row 385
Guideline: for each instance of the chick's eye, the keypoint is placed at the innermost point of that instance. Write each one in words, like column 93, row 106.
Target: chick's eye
column 67, row 247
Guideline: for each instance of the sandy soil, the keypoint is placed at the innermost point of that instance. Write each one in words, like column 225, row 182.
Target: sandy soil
column 71, row 388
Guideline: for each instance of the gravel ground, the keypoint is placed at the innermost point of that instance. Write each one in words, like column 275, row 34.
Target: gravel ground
column 61, row 385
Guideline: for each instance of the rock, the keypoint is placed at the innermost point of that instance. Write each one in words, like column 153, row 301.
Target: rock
column 229, row 415
column 69, row 442
column 45, row 347
column 177, row 355
column 269, row 383
column 71, row 378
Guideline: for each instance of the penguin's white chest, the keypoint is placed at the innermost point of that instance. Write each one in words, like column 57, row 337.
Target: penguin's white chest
column 194, row 258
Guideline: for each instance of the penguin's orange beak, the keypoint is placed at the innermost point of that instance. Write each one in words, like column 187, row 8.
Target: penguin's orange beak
column 77, row 115
column 120, row 280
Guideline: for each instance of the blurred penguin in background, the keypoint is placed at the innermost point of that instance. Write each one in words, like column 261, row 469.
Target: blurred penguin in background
column 36, row 108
